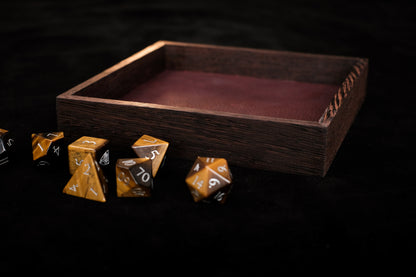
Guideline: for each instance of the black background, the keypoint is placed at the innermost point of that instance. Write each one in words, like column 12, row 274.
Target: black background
column 361, row 216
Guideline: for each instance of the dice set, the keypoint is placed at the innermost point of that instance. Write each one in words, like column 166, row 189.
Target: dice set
column 209, row 179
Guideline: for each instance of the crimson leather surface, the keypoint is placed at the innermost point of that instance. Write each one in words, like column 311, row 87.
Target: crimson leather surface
column 236, row 94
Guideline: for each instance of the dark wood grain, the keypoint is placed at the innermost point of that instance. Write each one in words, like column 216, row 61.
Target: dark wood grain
column 269, row 144
column 343, row 111
column 258, row 63
column 357, row 73
column 286, row 145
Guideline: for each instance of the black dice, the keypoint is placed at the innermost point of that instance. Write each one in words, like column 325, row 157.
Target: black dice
column 6, row 146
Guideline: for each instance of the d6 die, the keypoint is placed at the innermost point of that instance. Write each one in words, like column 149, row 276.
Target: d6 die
column 47, row 148
column 153, row 149
column 6, row 146
column 134, row 177
column 209, row 179
column 83, row 146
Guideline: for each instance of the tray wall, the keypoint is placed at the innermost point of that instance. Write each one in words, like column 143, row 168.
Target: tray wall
column 270, row 145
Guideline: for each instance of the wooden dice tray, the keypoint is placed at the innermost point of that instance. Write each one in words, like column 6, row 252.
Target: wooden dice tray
column 273, row 110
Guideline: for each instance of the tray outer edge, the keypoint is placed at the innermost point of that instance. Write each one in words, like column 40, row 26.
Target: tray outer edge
column 270, row 145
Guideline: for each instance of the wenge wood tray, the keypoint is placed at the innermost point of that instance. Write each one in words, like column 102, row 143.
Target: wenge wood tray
column 265, row 109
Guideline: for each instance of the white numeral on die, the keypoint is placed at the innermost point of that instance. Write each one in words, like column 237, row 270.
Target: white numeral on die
column 145, row 175
column 200, row 183
column 213, row 182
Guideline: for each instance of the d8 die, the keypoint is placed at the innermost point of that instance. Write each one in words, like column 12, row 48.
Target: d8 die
column 209, row 179
column 83, row 146
column 153, row 149
column 47, row 148
column 134, row 177
column 6, row 146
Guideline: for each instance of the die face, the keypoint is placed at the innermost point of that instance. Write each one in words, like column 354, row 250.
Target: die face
column 142, row 173
column 196, row 181
column 87, row 181
column 124, row 181
column 133, row 177
column 103, row 157
column 8, row 142
column 7, row 146
column 209, row 179
column 76, row 157
column 220, row 171
column 152, row 148
column 220, row 195
column 4, row 157
column 90, row 144
column 127, row 187
column 83, row 146
column 47, row 148
column 52, row 136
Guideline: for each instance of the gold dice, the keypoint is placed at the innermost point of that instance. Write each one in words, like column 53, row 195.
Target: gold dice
column 209, row 179
column 87, row 181
column 134, row 177
column 79, row 149
column 153, row 149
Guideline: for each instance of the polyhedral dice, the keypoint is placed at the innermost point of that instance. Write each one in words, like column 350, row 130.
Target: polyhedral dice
column 209, row 179
column 6, row 146
column 88, row 181
column 153, row 149
column 83, row 146
column 134, row 177
column 47, row 148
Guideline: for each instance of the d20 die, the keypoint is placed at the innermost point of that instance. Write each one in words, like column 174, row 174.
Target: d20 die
column 134, row 177
column 88, row 181
column 209, row 179
column 47, row 148
column 83, row 146
column 153, row 149
column 6, row 146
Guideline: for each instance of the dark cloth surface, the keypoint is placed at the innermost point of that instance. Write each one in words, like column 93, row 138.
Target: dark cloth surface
column 361, row 216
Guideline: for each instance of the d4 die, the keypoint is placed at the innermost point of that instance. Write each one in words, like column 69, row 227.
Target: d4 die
column 79, row 149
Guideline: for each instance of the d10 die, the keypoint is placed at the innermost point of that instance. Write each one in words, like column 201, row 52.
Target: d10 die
column 83, row 146
column 209, row 179
column 134, row 177
column 88, row 181
column 151, row 148
column 6, row 146
column 47, row 148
